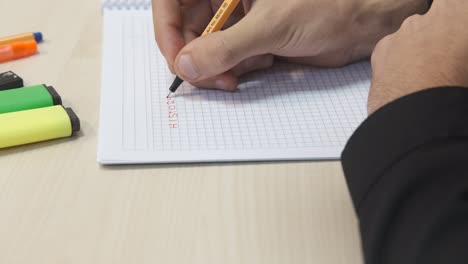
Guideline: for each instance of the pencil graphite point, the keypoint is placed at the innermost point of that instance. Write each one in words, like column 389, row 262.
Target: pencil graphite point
column 169, row 94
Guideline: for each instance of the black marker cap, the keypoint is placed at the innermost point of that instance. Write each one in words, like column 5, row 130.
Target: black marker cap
column 56, row 99
column 9, row 80
column 74, row 120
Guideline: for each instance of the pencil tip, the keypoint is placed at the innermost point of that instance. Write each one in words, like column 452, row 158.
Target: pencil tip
column 169, row 94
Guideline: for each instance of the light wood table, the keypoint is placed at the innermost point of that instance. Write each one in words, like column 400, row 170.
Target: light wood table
column 57, row 205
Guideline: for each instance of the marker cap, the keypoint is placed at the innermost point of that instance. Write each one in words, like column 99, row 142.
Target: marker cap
column 74, row 120
column 38, row 37
column 56, row 99
column 9, row 80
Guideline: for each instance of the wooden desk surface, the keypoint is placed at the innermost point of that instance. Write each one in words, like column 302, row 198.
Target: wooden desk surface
column 57, row 205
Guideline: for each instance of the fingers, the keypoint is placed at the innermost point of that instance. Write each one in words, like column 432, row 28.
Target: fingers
column 255, row 63
column 229, row 81
column 168, row 28
column 225, row 81
column 332, row 59
column 216, row 53
column 226, row 55
column 246, row 5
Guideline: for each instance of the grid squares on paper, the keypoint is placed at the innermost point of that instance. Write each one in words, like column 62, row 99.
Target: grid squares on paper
column 288, row 106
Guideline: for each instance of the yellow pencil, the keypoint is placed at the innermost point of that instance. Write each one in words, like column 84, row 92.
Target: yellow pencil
column 221, row 16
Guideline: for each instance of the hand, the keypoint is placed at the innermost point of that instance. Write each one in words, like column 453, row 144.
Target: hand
column 315, row 32
column 428, row 51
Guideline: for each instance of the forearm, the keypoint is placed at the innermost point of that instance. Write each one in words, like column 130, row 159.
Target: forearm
column 406, row 171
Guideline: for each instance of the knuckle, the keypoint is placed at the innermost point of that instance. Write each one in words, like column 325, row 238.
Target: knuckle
column 376, row 56
column 410, row 21
column 381, row 47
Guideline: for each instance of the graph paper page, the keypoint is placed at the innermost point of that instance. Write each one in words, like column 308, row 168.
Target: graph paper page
column 288, row 112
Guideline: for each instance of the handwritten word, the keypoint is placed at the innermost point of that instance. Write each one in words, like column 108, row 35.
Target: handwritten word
column 172, row 113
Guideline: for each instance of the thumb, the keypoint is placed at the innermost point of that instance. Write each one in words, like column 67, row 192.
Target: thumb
column 216, row 53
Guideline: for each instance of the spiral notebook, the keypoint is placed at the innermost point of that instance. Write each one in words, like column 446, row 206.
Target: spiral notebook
column 288, row 112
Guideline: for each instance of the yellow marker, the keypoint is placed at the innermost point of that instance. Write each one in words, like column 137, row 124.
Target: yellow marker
column 28, row 126
column 221, row 16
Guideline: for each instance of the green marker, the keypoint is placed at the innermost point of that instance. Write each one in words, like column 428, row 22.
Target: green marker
column 28, row 98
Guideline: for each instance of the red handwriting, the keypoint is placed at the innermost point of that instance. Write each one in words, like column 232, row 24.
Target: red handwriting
column 172, row 113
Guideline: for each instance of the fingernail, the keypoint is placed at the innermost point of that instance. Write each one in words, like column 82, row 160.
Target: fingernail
column 187, row 68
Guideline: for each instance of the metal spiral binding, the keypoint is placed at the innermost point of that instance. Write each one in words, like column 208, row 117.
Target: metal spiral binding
column 126, row 4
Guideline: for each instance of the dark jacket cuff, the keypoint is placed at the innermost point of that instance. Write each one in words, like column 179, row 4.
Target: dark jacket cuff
column 397, row 129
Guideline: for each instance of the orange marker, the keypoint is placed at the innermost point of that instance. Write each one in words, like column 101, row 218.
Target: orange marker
column 221, row 16
column 17, row 50
column 36, row 36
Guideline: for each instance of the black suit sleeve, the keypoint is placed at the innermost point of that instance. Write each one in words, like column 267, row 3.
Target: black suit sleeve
column 407, row 172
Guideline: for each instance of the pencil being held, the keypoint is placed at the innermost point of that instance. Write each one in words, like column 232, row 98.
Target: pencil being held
column 319, row 33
